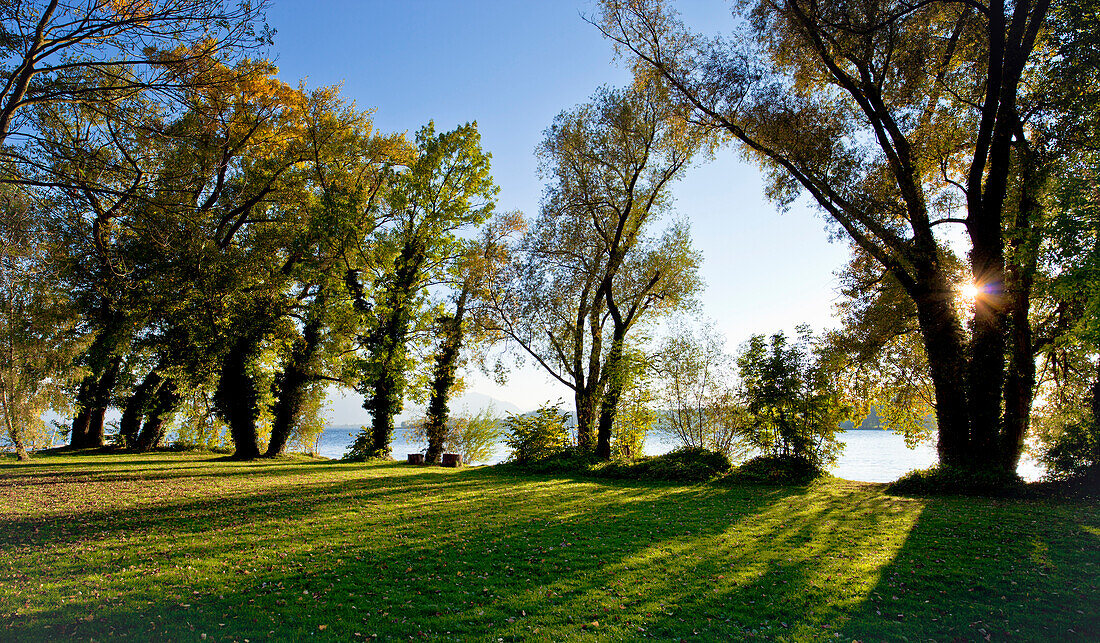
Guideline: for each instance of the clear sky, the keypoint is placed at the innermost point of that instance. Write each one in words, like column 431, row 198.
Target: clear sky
column 512, row 65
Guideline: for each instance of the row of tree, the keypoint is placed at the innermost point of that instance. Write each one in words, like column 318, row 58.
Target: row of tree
column 184, row 232
column 187, row 235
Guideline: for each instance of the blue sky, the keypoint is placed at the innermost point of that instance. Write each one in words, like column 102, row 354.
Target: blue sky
column 512, row 65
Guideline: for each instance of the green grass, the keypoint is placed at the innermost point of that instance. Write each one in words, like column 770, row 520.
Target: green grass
column 182, row 546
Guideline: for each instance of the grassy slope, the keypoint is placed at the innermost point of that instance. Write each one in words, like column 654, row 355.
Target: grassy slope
column 172, row 546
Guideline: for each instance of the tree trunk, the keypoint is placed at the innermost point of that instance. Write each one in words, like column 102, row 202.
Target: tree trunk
column 98, row 399
column 16, row 439
column 78, row 434
column 237, row 398
column 164, row 404
column 609, row 405
column 586, row 402
column 443, row 379
column 291, row 386
column 129, row 427
column 945, row 348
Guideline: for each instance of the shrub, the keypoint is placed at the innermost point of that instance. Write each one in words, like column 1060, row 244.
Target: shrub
column 471, row 436
column 1072, row 451
column 569, row 460
column 941, row 480
column 777, row 469
column 537, row 435
column 792, row 407
column 686, row 464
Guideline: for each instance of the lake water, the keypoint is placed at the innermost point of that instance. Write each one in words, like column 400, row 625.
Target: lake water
column 868, row 456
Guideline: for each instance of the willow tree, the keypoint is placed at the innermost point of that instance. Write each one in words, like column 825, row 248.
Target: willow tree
column 589, row 271
column 901, row 121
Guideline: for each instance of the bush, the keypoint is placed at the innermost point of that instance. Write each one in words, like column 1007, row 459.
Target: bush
column 1073, row 451
column 538, row 435
column 686, row 464
column 569, row 460
column 941, row 480
column 471, row 436
column 777, row 469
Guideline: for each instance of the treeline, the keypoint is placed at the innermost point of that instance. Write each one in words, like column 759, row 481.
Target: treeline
column 185, row 235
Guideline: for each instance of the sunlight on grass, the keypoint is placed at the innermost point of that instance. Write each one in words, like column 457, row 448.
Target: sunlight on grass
column 175, row 546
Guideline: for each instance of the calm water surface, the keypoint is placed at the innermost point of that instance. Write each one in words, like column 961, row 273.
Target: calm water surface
column 868, row 456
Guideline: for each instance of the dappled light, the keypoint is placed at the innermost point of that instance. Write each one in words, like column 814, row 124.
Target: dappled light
column 153, row 546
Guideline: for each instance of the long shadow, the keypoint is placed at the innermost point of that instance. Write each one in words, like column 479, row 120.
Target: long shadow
column 975, row 569
column 400, row 551
column 370, row 535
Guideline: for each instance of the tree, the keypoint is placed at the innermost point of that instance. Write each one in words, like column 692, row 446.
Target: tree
column 696, row 390
column 791, row 408
column 899, row 120
column 469, row 325
column 445, row 188
column 95, row 51
column 39, row 336
column 587, row 269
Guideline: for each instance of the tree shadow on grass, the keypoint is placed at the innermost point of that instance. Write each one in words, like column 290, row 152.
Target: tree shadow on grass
column 401, row 551
column 974, row 569
column 431, row 548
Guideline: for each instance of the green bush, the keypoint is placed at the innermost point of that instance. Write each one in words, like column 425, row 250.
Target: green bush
column 686, row 464
column 1073, row 451
column 777, row 469
column 538, row 435
column 569, row 460
column 941, row 480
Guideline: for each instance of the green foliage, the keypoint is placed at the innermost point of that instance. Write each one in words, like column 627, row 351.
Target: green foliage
column 537, row 435
column 776, row 469
column 40, row 337
column 791, row 408
column 685, row 464
column 446, row 188
column 570, row 460
column 695, row 381
column 472, row 436
column 199, row 426
column 944, row 480
column 1071, row 450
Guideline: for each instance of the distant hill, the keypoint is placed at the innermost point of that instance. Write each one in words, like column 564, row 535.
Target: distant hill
column 345, row 408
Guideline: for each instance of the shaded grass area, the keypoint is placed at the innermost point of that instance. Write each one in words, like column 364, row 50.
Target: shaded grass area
column 177, row 546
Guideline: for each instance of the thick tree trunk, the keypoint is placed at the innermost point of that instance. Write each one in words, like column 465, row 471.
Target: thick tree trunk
column 237, row 398
column 609, row 405
column 945, row 348
column 443, row 379
column 78, row 434
column 88, row 426
column 586, row 402
column 291, row 387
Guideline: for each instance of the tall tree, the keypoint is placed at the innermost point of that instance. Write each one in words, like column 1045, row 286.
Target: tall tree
column 39, row 334
column 589, row 271
column 469, row 323
column 900, row 120
column 445, row 188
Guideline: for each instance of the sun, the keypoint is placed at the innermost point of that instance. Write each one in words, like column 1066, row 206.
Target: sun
column 969, row 292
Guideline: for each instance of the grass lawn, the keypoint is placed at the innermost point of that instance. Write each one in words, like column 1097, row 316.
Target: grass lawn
column 193, row 547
